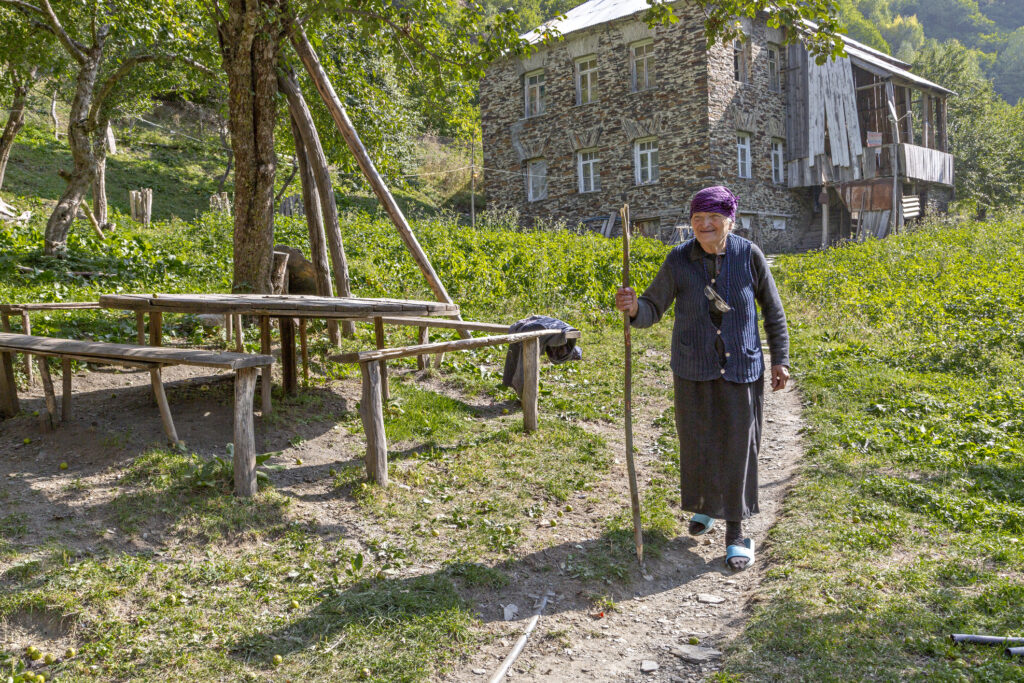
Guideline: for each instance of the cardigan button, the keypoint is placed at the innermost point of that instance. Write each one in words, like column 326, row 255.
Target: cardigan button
column 719, row 332
column 723, row 371
column 727, row 354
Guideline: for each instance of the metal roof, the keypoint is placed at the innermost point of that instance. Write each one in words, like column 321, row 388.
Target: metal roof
column 884, row 68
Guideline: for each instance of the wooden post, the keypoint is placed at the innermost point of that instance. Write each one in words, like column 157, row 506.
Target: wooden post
column 423, row 337
column 355, row 145
column 65, row 394
column 47, row 420
column 291, row 381
column 928, row 135
column 279, row 273
column 378, row 334
column 140, row 327
column 26, row 328
column 266, row 372
column 228, row 327
column 823, row 200
column 304, row 348
column 239, row 347
column 942, row 125
column 8, row 382
column 156, row 328
column 531, row 383
column 371, row 410
column 245, row 433
column 165, row 409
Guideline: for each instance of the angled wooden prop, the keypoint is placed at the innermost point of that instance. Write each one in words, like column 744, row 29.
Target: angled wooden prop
column 634, row 494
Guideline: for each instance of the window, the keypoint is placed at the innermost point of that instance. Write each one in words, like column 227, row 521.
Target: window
column 650, row 227
column 774, row 70
column 645, row 160
column 778, row 224
column 778, row 161
column 588, row 165
column 743, row 154
column 586, row 80
column 536, row 179
column 739, row 61
column 534, row 86
column 745, row 223
column 643, row 65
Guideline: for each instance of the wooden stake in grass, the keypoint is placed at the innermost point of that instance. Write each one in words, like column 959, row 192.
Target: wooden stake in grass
column 638, row 534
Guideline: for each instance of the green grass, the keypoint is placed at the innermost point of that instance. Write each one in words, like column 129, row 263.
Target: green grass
column 908, row 524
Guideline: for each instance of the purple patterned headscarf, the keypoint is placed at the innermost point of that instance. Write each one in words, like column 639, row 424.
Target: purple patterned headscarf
column 716, row 199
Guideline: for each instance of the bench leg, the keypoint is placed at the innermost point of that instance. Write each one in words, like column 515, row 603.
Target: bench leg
column 531, row 382
column 378, row 334
column 371, row 410
column 288, row 365
column 65, row 394
column 8, row 386
column 245, row 433
column 422, row 337
column 156, row 328
column 26, row 328
column 238, row 333
column 266, row 372
column 228, row 327
column 47, row 420
column 303, row 346
column 165, row 409
column 140, row 327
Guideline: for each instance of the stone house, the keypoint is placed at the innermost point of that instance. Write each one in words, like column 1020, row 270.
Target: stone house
column 617, row 110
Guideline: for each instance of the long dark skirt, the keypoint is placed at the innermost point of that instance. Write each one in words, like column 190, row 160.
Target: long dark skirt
column 719, row 427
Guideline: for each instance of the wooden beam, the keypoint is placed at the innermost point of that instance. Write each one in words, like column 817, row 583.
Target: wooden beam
column 156, row 325
column 140, row 327
column 8, row 386
column 422, row 337
column 266, row 372
column 288, row 365
column 47, row 420
column 531, row 382
column 304, row 349
column 378, row 335
column 371, row 410
column 439, row 347
column 323, row 85
column 239, row 346
column 245, row 434
column 26, row 328
column 499, row 328
column 165, row 408
column 65, row 394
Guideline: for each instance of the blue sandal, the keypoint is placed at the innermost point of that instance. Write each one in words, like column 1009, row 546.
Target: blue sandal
column 708, row 522
column 745, row 550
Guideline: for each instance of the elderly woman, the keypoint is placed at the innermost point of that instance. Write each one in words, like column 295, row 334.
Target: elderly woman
column 717, row 365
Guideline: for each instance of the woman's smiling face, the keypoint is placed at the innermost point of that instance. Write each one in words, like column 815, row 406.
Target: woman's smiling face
column 710, row 229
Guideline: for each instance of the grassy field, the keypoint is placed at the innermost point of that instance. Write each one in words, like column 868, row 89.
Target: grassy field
column 908, row 524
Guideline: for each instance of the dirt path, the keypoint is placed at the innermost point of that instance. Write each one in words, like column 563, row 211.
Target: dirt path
column 688, row 593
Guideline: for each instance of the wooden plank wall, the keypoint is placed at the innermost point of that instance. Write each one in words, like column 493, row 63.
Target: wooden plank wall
column 796, row 103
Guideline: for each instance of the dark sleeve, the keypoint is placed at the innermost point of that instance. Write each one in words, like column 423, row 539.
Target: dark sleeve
column 659, row 295
column 771, row 307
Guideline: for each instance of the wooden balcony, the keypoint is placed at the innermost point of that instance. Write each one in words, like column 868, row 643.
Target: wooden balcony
column 928, row 165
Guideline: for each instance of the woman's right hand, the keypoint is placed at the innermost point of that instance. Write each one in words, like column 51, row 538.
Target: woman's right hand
column 625, row 301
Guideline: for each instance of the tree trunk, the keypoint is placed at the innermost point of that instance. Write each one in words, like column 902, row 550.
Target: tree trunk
column 99, row 178
column 80, row 142
column 250, row 37
column 15, row 121
column 318, row 161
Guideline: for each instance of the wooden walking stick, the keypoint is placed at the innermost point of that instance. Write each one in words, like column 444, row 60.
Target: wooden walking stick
column 638, row 534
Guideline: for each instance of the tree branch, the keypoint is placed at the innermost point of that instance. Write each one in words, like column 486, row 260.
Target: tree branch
column 108, row 85
column 74, row 48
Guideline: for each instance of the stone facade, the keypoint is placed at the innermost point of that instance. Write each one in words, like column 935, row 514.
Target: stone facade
column 693, row 110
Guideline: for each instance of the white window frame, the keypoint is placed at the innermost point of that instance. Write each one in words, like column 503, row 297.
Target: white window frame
column 743, row 162
column 778, row 161
column 745, row 221
column 536, row 180
column 588, row 168
column 586, row 79
column 533, row 93
column 740, row 61
column 641, row 64
column 774, row 68
column 645, row 150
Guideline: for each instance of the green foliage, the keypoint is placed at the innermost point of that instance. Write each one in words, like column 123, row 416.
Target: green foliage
column 907, row 525
column 218, row 474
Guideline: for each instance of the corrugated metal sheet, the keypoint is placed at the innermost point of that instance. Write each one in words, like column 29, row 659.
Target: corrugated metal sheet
column 590, row 14
column 885, row 69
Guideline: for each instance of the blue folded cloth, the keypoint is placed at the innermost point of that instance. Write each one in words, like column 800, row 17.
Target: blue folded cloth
column 556, row 346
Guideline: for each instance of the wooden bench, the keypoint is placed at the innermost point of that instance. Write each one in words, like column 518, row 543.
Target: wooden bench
column 23, row 310
column 148, row 357
column 371, row 366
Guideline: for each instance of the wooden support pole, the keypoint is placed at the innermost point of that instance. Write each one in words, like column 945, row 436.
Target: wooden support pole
column 422, row 337
column 371, row 410
column 531, row 382
column 279, row 273
column 288, row 365
column 156, row 328
column 304, row 348
column 266, row 372
column 65, row 394
column 8, row 386
column 165, row 408
column 26, row 328
column 239, row 347
column 245, row 433
column 47, row 420
column 378, row 334
column 823, row 198
column 323, row 85
column 140, row 327
column 229, row 332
